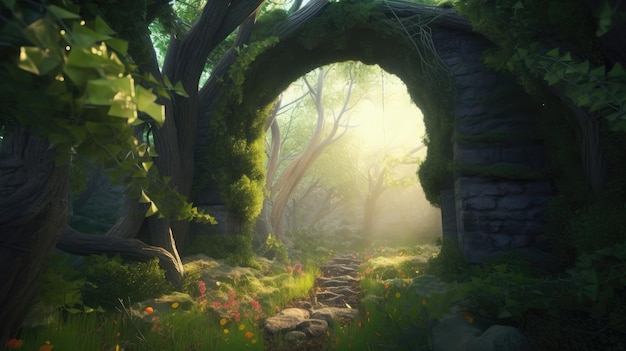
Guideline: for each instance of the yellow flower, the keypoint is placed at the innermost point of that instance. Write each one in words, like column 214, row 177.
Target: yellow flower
column 398, row 295
column 175, row 305
column 117, row 347
column 46, row 347
column 226, row 331
column 242, row 327
column 223, row 321
column 253, row 341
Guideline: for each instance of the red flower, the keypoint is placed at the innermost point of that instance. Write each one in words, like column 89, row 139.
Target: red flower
column 14, row 343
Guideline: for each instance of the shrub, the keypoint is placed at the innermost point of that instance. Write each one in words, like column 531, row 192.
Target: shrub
column 109, row 279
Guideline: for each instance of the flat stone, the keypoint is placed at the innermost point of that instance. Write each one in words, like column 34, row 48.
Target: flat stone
column 336, row 281
column 331, row 314
column 286, row 320
column 313, row 327
column 280, row 324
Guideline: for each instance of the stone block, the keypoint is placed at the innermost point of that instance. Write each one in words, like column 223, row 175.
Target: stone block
column 480, row 203
column 515, row 202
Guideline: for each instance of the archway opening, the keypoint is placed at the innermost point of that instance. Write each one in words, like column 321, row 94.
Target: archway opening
column 343, row 145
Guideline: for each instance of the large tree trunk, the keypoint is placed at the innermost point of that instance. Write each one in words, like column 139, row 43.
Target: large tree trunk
column 174, row 141
column 33, row 212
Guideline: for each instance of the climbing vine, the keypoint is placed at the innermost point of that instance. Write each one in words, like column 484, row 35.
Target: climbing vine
column 72, row 84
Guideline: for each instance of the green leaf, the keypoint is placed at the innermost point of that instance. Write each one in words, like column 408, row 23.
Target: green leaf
column 553, row 53
column 146, row 103
column 42, row 33
column 598, row 71
column 180, row 90
column 124, row 107
column 144, row 198
column 84, row 37
column 551, row 78
column 566, row 57
column 616, row 71
column 30, row 57
column 118, row 45
column 100, row 26
column 147, row 165
column 152, row 210
column 62, row 13
column 102, row 92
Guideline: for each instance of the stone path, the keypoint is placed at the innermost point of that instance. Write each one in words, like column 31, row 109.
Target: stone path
column 334, row 299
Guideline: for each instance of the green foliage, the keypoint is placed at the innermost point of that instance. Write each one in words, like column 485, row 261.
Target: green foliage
column 73, row 84
column 449, row 264
column 108, row 280
column 337, row 19
column 234, row 248
column 63, row 287
column 273, row 248
column 579, row 74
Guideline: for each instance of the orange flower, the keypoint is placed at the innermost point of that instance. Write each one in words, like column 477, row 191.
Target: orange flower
column 360, row 324
column 148, row 310
column 14, row 343
column 249, row 335
column 46, row 347
column 468, row 317
column 387, row 285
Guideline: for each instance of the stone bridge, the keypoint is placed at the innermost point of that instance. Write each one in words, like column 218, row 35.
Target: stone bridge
column 493, row 200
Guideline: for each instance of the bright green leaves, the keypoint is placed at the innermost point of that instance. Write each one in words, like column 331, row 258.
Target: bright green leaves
column 146, row 103
column 75, row 87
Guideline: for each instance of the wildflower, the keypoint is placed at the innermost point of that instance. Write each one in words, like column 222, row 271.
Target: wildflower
column 256, row 306
column 175, row 305
column 223, row 321
column 46, row 347
column 249, row 335
column 226, row 331
column 242, row 326
column 360, row 324
column 237, row 317
column 386, row 285
column 201, row 289
column 14, row 343
column 253, row 341
column 367, row 313
column 423, row 302
column 148, row 310
column 117, row 347
column 398, row 295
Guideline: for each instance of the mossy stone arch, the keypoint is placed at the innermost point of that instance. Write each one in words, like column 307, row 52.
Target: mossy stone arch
column 484, row 162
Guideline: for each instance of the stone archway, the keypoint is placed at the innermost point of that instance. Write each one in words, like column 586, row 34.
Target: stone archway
column 489, row 158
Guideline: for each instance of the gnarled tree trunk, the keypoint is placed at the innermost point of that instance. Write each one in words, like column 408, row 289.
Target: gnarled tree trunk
column 33, row 212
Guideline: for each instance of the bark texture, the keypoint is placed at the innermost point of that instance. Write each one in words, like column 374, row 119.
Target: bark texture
column 33, row 212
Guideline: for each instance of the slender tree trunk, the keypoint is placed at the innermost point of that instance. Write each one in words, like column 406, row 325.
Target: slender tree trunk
column 33, row 212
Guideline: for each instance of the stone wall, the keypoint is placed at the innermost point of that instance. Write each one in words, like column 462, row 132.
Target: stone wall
column 493, row 213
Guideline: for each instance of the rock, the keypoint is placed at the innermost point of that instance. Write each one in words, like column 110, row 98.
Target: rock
column 453, row 333
column 313, row 327
column 286, row 320
column 341, row 280
column 498, row 338
column 281, row 324
column 331, row 314
column 295, row 337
